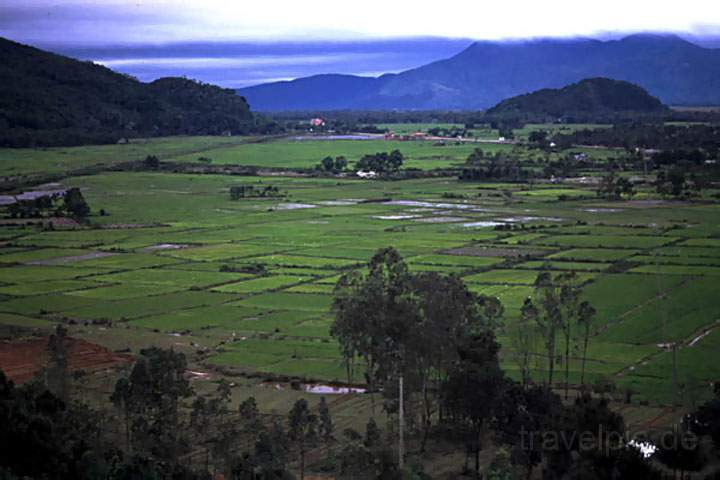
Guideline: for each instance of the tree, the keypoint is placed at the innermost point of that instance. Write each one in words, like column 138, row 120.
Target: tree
column 75, row 204
column 122, row 399
column 586, row 315
column 680, row 450
column 556, row 310
column 538, row 138
column 476, row 157
column 340, row 163
column 271, row 451
column 549, row 317
column 524, row 412
column 328, row 164
column 325, row 426
column 151, row 162
column 705, row 420
column 201, row 420
column 523, row 339
column 366, row 458
column 449, row 313
column 671, row 182
column 408, row 328
column 582, row 437
column 395, row 160
column 492, row 311
column 302, row 429
column 569, row 302
column 374, row 314
column 474, row 387
column 44, row 437
column 250, row 416
column 382, row 163
column 354, row 458
column 57, row 374
column 151, row 399
column 613, row 187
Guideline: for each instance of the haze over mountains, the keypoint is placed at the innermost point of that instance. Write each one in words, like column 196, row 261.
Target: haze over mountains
column 676, row 71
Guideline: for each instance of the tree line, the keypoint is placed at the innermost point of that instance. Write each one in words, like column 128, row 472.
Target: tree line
column 428, row 346
column 70, row 203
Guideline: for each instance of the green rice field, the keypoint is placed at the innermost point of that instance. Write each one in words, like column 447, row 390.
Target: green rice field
column 175, row 257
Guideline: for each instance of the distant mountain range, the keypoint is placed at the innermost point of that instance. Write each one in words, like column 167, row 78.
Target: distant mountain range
column 593, row 97
column 47, row 99
column 676, row 71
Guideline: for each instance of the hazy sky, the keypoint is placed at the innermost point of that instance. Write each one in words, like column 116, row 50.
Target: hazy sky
column 240, row 42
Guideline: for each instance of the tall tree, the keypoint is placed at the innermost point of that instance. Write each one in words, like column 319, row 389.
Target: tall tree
column 325, row 426
column 151, row 398
column 549, row 318
column 57, row 373
column 374, row 315
column 271, row 451
column 586, row 315
column 474, row 388
column 75, row 204
column 524, row 341
column 302, row 430
column 569, row 302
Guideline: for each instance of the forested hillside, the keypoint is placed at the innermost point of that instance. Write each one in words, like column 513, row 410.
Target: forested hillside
column 48, row 99
column 592, row 98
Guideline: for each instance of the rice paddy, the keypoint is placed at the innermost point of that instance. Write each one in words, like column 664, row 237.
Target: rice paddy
column 253, row 279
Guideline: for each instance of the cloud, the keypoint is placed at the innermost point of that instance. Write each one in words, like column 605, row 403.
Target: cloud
column 226, row 62
column 161, row 21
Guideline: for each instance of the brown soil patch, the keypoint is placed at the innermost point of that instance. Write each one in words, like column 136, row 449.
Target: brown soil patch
column 21, row 360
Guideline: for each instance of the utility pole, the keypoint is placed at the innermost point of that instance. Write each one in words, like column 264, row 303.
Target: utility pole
column 401, row 439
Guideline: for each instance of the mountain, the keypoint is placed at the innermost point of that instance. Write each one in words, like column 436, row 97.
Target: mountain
column 668, row 67
column 590, row 97
column 47, row 99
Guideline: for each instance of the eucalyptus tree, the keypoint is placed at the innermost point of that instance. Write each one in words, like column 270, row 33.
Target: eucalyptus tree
column 569, row 295
column 302, row 430
column 150, row 398
column 375, row 313
column 549, row 318
column 524, row 340
column 557, row 308
column 474, row 390
column 586, row 315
